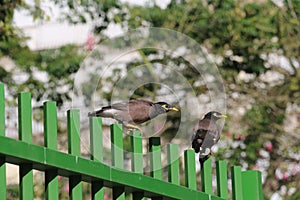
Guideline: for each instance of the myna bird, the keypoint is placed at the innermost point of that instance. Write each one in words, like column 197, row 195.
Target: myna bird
column 206, row 134
column 133, row 112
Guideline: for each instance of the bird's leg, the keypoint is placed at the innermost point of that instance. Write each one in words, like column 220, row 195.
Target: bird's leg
column 132, row 127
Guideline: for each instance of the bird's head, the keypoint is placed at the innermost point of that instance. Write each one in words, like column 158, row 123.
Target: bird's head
column 165, row 107
column 214, row 115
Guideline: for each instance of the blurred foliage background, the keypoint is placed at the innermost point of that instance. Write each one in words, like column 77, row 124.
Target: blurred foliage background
column 256, row 47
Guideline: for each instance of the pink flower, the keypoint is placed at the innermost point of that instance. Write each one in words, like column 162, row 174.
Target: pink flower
column 268, row 146
column 67, row 188
column 90, row 43
column 285, row 176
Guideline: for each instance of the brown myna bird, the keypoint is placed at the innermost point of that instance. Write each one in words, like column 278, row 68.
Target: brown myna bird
column 133, row 112
column 206, row 134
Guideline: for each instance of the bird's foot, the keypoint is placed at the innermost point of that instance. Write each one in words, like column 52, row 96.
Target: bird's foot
column 131, row 128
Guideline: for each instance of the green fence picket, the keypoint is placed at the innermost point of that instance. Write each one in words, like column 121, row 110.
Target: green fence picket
column 155, row 158
column 173, row 164
column 2, row 110
column 236, row 178
column 25, row 117
column 25, row 134
column 75, row 184
column 96, row 142
column 222, row 180
column 50, row 141
column 116, row 136
column 2, row 133
column 190, row 169
column 251, row 180
column 206, row 177
column 48, row 159
column 155, row 161
column 96, row 148
column 137, row 159
column 137, row 152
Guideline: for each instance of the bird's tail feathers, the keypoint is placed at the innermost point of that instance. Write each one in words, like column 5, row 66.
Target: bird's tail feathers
column 91, row 114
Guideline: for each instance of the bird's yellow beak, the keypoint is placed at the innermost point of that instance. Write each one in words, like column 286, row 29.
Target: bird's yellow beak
column 223, row 116
column 174, row 109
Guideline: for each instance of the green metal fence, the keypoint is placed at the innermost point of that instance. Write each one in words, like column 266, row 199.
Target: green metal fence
column 246, row 185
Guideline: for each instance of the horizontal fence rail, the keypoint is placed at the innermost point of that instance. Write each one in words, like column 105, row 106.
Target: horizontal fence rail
column 246, row 185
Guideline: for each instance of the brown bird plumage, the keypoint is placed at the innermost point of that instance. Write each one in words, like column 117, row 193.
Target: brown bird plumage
column 206, row 134
column 133, row 112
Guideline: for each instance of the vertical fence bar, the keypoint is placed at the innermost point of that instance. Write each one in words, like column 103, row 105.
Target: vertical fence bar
column 190, row 169
column 206, row 177
column 251, row 180
column 96, row 139
column 137, row 159
column 96, row 145
column 116, row 136
column 173, row 164
column 2, row 110
column 155, row 161
column 137, row 152
column 75, row 191
column 155, row 158
column 25, row 134
column 236, row 178
column 222, row 180
column 2, row 133
column 50, row 141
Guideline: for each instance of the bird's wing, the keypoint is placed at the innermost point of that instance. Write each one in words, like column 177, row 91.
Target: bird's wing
column 206, row 134
column 110, row 111
column 139, row 110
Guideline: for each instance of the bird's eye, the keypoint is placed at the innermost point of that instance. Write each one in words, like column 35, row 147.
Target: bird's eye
column 165, row 106
column 216, row 115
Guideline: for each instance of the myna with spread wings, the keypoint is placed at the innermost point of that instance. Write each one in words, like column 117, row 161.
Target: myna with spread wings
column 134, row 112
column 206, row 134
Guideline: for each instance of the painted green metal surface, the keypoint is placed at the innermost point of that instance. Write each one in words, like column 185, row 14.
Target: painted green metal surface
column 51, row 185
column 173, row 164
column 190, row 169
column 96, row 143
column 2, row 133
column 237, row 189
column 222, row 180
column 73, row 120
column 2, row 110
column 73, row 132
column 97, row 190
column 155, row 158
column 26, row 181
column 50, row 125
column 206, row 177
column 116, row 136
column 253, row 182
column 25, row 117
column 17, row 152
column 2, row 178
column 75, row 184
column 137, row 152
column 25, row 134
column 137, row 159
column 96, row 148
column 29, row 156
column 50, row 141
